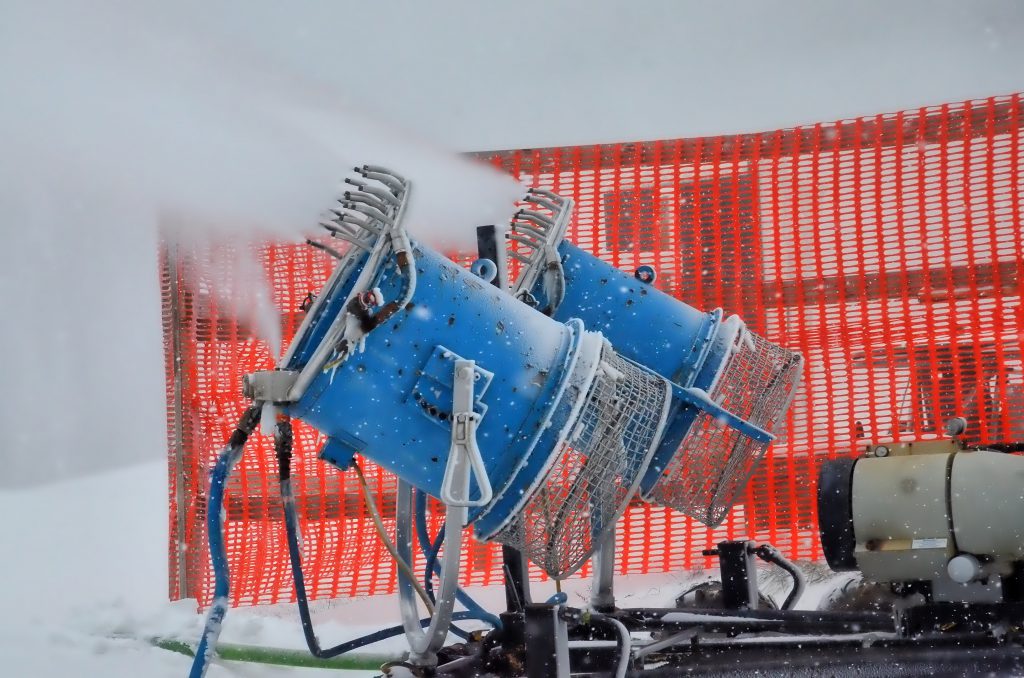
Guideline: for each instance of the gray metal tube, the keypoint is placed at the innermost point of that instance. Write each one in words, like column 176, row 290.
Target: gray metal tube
column 602, row 595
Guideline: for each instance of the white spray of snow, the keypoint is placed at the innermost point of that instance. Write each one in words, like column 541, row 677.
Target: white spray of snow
column 119, row 118
column 167, row 119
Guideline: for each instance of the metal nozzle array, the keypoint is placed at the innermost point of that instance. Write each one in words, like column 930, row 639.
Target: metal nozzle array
column 366, row 210
column 372, row 209
column 536, row 232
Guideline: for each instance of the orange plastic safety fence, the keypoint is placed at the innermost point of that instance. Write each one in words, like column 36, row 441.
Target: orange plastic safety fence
column 887, row 249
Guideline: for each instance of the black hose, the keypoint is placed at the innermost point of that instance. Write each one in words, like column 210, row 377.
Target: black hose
column 770, row 554
column 283, row 442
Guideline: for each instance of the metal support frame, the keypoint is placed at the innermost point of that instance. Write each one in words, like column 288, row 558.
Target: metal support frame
column 913, row 620
column 852, row 655
column 602, row 593
column 734, row 622
column 517, row 596
column 547, row 642
column 490, row 244
column 424, row 645
column 739, row 574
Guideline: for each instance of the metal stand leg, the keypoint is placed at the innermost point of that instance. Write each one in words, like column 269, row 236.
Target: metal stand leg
column 547, row 642
column 425, row 644
column 517, row 598
column 517, row 583
column 490, row 244
column 602, row 595
column 739, row 574
column 463, row 457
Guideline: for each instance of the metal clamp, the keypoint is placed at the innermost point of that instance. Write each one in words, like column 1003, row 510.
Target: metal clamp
column 464, row 448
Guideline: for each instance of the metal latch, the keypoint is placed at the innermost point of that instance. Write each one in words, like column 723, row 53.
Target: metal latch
column 464, row 450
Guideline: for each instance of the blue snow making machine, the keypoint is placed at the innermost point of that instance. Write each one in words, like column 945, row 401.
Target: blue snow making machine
column 536, row 426
column 559, row 431
column 731, row 387
column 535, row 408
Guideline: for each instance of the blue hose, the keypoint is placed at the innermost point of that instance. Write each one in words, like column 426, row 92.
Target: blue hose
column 433, row 567
column 431, row 551
column 222, row 583
column 312, row 642
column 215, row 535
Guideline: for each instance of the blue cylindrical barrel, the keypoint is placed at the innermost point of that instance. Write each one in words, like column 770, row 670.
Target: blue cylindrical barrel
column 392, row 401
column 643, row 323
column 702, row 462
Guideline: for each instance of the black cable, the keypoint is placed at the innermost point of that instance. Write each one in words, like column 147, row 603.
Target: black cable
column 770, row 554
column 283, row 441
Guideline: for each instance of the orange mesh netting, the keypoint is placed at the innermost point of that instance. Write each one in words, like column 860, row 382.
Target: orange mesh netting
column 887, row 249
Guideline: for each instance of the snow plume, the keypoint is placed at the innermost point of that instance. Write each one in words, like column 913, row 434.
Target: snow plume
column 114, row 93
column 227, row 271
column 115, row 115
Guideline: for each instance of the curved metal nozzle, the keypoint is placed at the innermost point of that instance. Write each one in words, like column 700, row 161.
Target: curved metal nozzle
column 393, row 181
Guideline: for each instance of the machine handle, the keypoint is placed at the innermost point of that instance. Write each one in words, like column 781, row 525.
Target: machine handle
column 554, row 280
column 455, row 484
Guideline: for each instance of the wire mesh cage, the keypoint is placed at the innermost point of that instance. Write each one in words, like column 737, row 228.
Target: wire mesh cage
column 595, row 471
column 759, row 381
column 710, row 470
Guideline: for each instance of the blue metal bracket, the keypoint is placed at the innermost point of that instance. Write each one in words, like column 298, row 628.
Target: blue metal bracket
column 341, row 448
column 700, row 399
column 433, row 390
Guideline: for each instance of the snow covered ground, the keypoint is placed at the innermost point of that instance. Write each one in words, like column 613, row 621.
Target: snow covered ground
column 85, row 586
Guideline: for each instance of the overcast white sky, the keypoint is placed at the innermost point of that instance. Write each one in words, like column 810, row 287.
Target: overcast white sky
column 482, row 75
column 80, row 299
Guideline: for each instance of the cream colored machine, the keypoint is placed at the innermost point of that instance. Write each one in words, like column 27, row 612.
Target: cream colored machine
column 946, row 519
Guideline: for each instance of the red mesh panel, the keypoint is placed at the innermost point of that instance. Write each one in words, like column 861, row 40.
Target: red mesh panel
column 888, row 250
